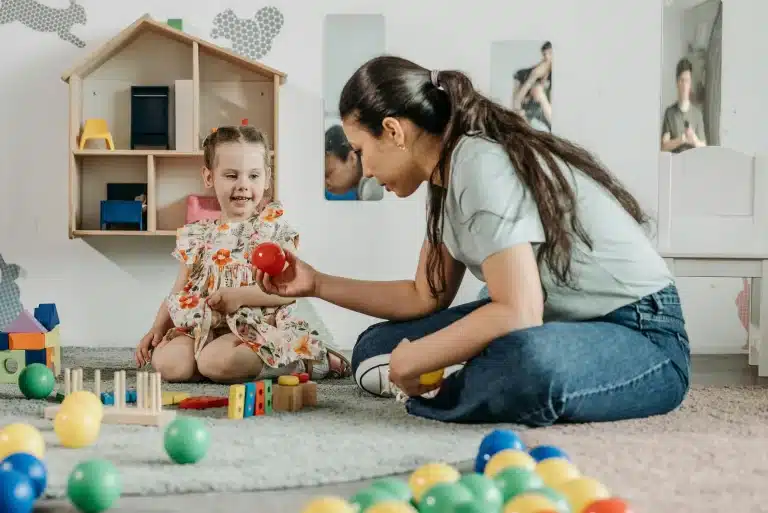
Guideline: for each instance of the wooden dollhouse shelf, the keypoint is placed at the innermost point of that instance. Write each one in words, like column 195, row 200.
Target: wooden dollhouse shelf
column 208, row 86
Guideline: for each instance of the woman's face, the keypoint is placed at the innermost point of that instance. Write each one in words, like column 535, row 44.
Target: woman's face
column 341, row 175
column 384, row 158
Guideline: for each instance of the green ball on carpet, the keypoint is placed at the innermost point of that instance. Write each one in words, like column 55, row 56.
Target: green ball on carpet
column 444, row 497
column 367, row 497
column 94, row 485
column 471, row 507
column 186, row 440
column 513, row 481
column 36, row 381
column 397, row 488
column 484, row 491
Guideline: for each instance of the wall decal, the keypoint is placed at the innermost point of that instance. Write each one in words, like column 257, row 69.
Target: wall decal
column 250, row 37
column 44, row 18
column 10, row 295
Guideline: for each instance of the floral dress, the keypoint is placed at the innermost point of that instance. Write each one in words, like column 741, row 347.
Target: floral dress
column 217, row 254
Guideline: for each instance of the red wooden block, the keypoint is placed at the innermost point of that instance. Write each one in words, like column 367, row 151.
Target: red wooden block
column 259, row 408
column 303, row 377
column 203, row 402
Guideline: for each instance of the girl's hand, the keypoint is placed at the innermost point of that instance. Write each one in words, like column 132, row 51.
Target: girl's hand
column 299, row 279
column 148, row 342
column 401, row 373
column 226, row 300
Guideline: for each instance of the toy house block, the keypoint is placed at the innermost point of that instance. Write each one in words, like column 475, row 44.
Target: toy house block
column 4, row 341
column 309, row 393
column 171, row 398
column 12, row 362
column 236, row 406
column 44, row 356
column 26, row 341
column 25, row 323
column 53, row 341
column 190, row 79
column 47, row 315
column 249, row 406
column 287, row 395
column 267, row 396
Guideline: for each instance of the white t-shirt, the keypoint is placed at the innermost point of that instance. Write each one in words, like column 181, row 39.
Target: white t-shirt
column 488, row 209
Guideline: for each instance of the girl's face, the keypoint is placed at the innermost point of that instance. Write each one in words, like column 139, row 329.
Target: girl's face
column 239, row 178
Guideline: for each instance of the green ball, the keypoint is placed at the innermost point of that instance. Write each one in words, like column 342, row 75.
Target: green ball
column 94, row 485
column 36, row 381
column 557, row 498
column 472, row 507
column 398, row 488
column 367, row 497
column 484, row 491
column 444, row 497
column 513, row 481
column 186, row 440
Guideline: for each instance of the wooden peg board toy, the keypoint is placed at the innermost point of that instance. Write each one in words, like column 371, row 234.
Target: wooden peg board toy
column 149, row 398
column 291, row 393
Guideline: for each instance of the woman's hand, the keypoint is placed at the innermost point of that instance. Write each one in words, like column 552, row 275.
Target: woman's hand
column 401, row 370
column 299, row 279
column 226, row 300
column 148, row 342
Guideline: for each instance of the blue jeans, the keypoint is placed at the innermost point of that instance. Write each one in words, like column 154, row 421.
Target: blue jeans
column 632, row 363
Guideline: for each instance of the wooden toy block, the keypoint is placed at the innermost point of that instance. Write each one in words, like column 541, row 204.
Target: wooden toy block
column 171, row 398
column 53, row 340
column 259, row 403
column 250, row 400
column 26, row 341
column 287, row 398
column 203, row 402
column 25, row 323
column 148, row 410
column 47, row 315
column 267, row 396
column 236, row 406
column 4, row 341
column 309, row 393
column 12, row 362
column 36, row 356
column 176, row 23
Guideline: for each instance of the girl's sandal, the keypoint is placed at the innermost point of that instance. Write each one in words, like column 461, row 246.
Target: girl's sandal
column 339, row 367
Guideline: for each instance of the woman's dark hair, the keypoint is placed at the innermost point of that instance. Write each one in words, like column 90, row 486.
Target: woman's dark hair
column 337, row 144
column 390, row 86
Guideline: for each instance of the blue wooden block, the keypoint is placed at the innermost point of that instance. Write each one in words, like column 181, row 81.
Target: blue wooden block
column 4, row 341
column 35, row 356
column 130, row 396
column 107, row 398
column 47, row 315
column 119, row 211
column 250, row 400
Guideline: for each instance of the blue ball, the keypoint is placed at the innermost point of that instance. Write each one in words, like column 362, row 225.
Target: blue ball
column 28, row 465
column 17, row 495
column 544, row 452
column 496, row 441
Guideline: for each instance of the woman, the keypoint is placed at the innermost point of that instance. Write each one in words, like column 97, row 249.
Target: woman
column 344, row 178
column 583, row 322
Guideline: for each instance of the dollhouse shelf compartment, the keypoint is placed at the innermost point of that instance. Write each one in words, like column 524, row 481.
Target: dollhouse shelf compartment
column 208, row 86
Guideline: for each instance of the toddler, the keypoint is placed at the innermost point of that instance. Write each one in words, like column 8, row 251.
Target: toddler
column 217, row 323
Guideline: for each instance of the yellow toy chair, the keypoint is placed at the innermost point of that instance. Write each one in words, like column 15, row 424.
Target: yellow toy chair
column 96, row 128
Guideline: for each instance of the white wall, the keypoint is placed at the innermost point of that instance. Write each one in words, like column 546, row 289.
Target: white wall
column 608, row 61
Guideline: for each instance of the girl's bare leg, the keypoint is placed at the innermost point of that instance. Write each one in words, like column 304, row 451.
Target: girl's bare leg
column 227, row 360
column 539, row 96
column 174, row 359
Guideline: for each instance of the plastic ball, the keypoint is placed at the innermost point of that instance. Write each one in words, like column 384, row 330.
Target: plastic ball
column 543, row 452
column 398, row 488
column 36, row 381
column 432, row 378
column 582, row 491
column 513, row 481
column 509, row 458
column 77, row 426
column 443, row 497
column 555, row 497
column 556, row 471
column 186, row 440
column 17, row 494
column 484, row 491
column 495, row 441
column 328, row 505
column 392, row 507
column 612, row 505
column 428, row 475
column 529, row 503
column 21, row 438
column 471, row 507
column 94, row 485
column 29, row 466
column 269, row 257
column 366, row 498
column 83, row 399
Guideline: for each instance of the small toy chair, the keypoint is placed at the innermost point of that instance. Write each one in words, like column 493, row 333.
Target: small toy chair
column 202, row 207
column 96, row 128
column 123, row 212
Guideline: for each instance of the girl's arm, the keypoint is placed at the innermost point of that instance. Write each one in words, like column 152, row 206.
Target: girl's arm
column 393, row 300
column 163, row 318
column 255, row 297
column 537, row 73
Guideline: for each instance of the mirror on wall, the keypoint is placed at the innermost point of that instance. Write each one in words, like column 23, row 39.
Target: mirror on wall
column 349, row 40
column 521, row 79
column 691, row 64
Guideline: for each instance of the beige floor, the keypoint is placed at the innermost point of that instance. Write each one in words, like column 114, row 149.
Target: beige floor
column 707, row 370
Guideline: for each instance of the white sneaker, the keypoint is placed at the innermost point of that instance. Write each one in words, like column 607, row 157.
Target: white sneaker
column 372, row 375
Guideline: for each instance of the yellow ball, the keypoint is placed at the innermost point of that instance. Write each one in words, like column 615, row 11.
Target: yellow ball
column 426, row 476
column 21, row 438
column 328, row 505
column 582, row 491
column 431, row 378
column 391, row 507
column 509, row 458
column 77, row 426
column 529, row 503
column 555, row 471
column 84, row 398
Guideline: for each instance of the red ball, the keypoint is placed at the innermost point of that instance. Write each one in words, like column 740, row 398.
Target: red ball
column 269, row 257
column 612, row 505
column 303, row 377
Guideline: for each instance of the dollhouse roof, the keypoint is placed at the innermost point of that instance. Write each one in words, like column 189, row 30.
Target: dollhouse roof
column 25, row 323
column 146, row 23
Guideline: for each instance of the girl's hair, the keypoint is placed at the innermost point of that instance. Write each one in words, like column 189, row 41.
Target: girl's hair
column 239, row 133
column 446, row 104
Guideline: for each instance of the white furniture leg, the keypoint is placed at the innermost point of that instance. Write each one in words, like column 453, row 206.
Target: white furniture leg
column 762, row 352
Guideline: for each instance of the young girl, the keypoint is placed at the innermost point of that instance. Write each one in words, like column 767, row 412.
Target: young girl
column 217, row 323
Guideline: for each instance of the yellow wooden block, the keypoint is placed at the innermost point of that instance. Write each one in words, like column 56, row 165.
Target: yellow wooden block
column 170, row 397
column 52, row 338
column 288, row 381
column 236, row 406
